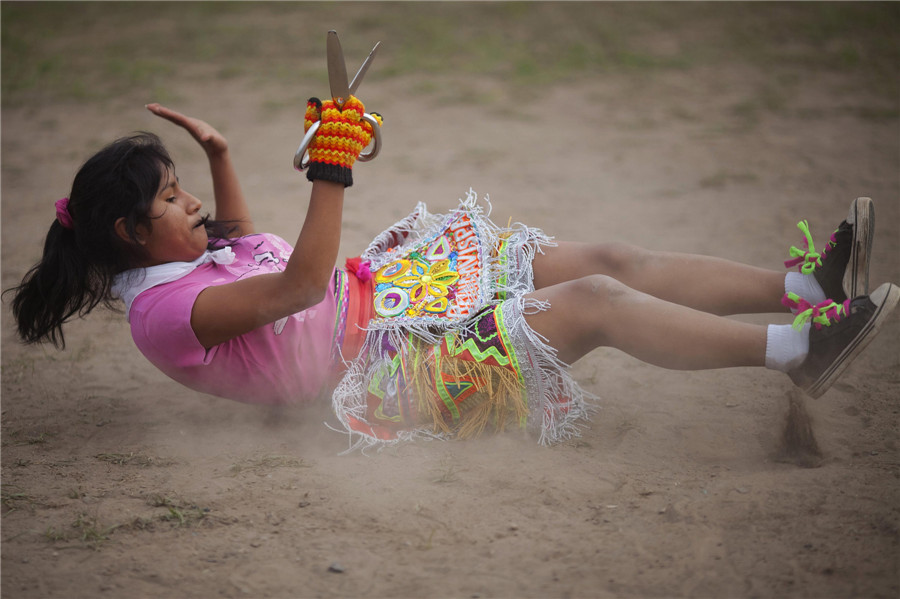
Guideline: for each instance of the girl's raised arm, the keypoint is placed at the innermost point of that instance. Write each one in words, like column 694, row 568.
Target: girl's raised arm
column 230, row 202
column 227, row 311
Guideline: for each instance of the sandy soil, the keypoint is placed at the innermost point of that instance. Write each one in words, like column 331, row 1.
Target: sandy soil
column 120, row 483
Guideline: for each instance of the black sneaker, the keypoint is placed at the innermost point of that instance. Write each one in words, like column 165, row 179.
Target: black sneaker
column 842, row 269
column 838, row 333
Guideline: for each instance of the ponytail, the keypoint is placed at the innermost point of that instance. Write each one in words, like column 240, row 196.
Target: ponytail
column 56, row 288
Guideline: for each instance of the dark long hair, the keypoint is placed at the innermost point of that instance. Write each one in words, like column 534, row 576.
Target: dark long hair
column 78, row 266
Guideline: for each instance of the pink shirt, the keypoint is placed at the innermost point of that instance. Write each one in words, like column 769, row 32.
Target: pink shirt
column 288, row 361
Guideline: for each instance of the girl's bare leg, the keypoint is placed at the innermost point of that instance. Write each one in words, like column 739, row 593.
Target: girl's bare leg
column 704, row 283
column 599, row 311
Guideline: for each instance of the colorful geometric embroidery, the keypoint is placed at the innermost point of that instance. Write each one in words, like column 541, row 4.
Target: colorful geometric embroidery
column 437, row 280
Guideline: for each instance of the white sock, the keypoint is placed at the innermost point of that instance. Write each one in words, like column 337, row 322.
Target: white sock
column 786, row 347
column 806, row 286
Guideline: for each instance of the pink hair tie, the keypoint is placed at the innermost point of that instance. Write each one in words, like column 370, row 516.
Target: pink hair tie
column 62, row 213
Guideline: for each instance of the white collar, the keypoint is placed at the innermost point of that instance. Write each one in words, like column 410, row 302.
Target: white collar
column 131, row 283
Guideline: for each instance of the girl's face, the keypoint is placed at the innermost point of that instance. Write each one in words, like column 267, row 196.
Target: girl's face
column 178, row 233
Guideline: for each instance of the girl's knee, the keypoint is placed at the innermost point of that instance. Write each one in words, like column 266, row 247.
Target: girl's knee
column 600, row 289
column 617, row 259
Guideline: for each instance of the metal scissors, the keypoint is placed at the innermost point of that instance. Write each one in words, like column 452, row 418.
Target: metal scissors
column 340, row 92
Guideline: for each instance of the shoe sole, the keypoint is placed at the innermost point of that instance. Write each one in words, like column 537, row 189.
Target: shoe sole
column 856, row 275
column 885, row 299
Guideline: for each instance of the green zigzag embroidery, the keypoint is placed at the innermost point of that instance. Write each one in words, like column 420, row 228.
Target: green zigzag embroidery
column 469, row 344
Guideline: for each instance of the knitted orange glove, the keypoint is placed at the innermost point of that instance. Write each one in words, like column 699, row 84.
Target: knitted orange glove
column 342, row 135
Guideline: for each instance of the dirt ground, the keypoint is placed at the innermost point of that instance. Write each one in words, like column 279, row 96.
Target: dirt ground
column 117, row 482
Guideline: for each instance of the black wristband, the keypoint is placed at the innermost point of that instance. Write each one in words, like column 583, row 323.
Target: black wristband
column 330, row 172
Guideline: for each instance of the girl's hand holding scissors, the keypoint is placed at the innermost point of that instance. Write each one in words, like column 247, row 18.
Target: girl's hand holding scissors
column 341, row 137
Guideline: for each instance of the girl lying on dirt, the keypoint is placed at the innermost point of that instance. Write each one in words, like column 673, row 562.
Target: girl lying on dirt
column 446, row 325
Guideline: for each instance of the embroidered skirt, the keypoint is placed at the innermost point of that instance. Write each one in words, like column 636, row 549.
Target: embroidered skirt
column 446, row 350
